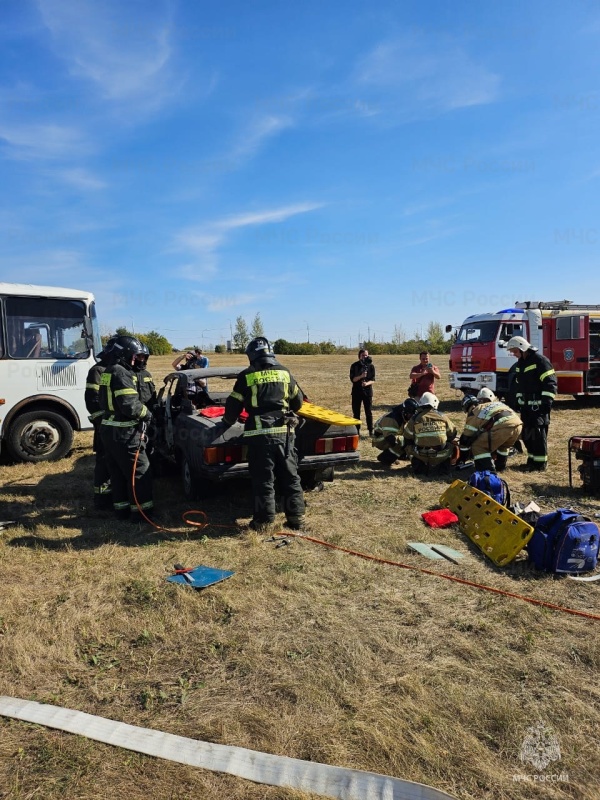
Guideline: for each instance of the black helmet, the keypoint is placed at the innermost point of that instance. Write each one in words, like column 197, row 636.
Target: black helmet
column 141, row 359
column 125, row 349
column 258, row 348
column 409, row 406
column 468, row 402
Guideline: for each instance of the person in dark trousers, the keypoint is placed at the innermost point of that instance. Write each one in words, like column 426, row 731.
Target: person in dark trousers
column 532, row 392
column 102, row 487
column 122, row 430
column 270, row 395
column 362, row 375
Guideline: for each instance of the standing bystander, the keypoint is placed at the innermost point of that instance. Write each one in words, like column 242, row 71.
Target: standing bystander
column 362, row 375
column 423, row 376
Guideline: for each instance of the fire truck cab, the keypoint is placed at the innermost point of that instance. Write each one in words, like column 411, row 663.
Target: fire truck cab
column 567, row 334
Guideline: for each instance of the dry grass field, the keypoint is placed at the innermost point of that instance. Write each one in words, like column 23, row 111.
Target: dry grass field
column 305, row 652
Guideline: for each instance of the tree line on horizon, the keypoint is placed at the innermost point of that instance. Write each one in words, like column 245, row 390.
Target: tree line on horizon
column 434, row 342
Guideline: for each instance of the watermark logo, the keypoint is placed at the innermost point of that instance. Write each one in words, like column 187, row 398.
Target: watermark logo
column 540, row 747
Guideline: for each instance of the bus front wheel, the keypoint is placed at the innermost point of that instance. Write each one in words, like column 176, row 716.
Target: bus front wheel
column 39, row 436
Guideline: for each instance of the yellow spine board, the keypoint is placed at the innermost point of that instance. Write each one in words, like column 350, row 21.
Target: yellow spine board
column 499, row 534
column 320, row 414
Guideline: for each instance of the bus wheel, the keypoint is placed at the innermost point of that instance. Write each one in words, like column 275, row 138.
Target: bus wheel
column 39, row 436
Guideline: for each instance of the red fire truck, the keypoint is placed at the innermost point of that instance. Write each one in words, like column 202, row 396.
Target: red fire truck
column 567, row 334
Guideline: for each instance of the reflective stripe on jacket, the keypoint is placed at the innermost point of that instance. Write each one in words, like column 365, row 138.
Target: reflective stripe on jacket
column 266, row 390
column 92, row 391
column 534, row 383
column 429, row 429
column 120, row 399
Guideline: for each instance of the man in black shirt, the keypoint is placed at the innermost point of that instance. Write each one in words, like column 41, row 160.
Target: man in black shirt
column 362, row 375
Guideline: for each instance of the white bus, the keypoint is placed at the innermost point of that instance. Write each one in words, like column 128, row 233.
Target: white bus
column 49, row 339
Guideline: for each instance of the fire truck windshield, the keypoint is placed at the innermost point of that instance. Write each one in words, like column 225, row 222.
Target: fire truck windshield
column 478, row 332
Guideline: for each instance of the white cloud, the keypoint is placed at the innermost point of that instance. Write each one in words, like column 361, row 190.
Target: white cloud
column 426, row 73
column 81, row 179
column 256, row 134
column 203, row 241
column 42, row 140
column 123, row 48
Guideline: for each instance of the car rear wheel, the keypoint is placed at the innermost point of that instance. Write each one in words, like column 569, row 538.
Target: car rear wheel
column 313, row 479
column 39, row 436
column 194, row 487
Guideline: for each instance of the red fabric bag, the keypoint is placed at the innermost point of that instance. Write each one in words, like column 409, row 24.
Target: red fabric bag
column 442, row 518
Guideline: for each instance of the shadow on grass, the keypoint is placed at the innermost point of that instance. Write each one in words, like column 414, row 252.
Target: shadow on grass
column 65, row 501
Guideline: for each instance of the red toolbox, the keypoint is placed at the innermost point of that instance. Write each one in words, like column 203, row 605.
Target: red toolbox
column 587, row 450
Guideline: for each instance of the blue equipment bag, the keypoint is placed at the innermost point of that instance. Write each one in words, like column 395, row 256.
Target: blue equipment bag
column 489, row 483
column 564, row 541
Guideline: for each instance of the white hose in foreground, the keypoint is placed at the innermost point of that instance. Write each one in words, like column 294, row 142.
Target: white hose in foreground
column 336, row 782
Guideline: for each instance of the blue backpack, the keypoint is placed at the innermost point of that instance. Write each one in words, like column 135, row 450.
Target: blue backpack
column 564, row 541
column 489, row 483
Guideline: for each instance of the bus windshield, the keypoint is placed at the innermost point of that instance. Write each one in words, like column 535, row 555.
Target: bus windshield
column 478, row 332
column 46, row 327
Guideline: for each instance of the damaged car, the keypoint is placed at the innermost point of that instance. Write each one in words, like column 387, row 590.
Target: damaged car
column 187, row 432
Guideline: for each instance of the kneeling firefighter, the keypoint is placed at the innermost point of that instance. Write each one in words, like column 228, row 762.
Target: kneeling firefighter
column 388, row 434
column 270, row 395
column 429, row 436
column 124, row 421
column 491, row 428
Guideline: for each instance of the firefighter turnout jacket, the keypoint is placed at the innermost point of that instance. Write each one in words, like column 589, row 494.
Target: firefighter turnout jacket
column 429, row 436
column 92, row 391
column 267, row 391
column 146, row 388
column 120, row 398
column 534, row 384
column 489, row 428
column 124, row 443
column 388, row 433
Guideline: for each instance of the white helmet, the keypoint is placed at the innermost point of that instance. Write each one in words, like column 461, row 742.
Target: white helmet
column 519, row 343
column 486, row 395
column 429, row 399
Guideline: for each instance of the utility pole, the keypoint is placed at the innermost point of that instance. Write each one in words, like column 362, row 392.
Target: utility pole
column 307, row 334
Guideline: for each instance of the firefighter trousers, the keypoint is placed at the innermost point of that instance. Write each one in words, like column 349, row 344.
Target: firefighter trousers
column 268, row 462
column 497, row 440
column 102, row 487
column 120, row 447
column 535, row 439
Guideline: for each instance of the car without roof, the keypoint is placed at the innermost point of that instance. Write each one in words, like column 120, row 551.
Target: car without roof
column 189, row 409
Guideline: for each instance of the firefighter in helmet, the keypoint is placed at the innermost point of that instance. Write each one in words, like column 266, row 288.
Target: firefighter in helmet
column 122, row 430
column 146, row 386
column 429, row 436
column 533, row 390
column 491, row 429
column 102, row 488
column 270, row 395
column 388, row 432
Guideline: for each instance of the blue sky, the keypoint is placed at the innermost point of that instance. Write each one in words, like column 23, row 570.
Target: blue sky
column 340, row 168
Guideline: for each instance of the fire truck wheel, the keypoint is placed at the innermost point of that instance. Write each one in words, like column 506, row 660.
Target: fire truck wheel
column 39, row 436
